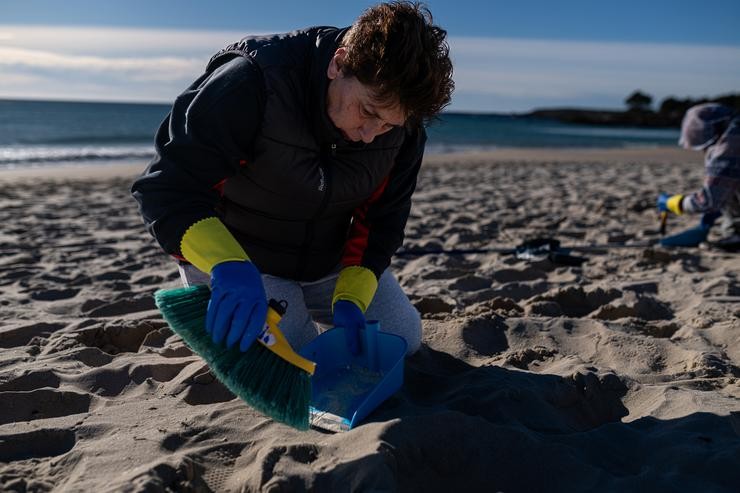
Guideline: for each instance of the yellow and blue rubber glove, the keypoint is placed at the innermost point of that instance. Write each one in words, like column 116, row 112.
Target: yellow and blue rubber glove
column 353, row 293
column 237, row 309
column 670, row 203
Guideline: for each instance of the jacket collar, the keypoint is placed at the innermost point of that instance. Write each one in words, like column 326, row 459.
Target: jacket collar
column 327, row 42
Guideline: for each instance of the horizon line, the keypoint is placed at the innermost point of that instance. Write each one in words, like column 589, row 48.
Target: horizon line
column 169, row 103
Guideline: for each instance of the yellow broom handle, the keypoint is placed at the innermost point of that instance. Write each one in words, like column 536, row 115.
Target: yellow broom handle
column 274, row 340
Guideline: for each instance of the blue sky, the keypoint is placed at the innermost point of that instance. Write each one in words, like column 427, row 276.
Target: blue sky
column 508, row 56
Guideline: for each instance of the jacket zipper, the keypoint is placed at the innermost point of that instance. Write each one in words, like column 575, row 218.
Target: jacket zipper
column 311, row 224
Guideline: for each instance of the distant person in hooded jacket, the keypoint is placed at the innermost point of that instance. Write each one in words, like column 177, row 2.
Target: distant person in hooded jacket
column 713, row 129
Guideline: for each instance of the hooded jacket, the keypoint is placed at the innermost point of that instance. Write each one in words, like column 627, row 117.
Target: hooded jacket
column 250, row 142
column 715, row 129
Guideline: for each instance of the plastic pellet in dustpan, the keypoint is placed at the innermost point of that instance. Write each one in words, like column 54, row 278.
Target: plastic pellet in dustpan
column 346, row 388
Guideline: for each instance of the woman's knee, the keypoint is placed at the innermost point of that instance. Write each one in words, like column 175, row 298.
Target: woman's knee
column 406, row 323
column 413, row 333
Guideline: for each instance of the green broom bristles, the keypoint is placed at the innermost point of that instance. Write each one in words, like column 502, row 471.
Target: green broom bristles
column 261, row 378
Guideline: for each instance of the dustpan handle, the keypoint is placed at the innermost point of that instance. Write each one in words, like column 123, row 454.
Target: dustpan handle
column 371, row 343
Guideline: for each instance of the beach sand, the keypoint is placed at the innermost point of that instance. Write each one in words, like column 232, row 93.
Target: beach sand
column 619, row 375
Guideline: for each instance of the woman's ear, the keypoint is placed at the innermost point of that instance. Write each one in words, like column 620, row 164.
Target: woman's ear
column 335, row 64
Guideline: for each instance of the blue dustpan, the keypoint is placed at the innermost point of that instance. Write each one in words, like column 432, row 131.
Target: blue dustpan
column 346, row 387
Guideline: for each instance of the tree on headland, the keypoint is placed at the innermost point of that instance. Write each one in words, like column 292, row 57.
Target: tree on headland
column 639, row 101
column 639, row 113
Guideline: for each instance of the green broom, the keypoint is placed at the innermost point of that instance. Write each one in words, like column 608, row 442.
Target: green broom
column 269, row 376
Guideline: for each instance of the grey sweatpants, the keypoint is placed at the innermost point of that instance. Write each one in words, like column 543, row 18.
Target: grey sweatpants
column 309, row 306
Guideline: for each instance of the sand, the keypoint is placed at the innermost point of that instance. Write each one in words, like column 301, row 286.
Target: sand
column 619, row 375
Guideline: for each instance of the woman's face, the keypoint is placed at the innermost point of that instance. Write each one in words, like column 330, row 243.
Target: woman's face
column 352, row 108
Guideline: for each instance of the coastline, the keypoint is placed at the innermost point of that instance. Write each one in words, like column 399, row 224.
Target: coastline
column 125, row 169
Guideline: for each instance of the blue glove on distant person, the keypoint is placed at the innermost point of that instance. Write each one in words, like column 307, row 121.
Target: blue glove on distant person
column 349, row 316
column 238, row 307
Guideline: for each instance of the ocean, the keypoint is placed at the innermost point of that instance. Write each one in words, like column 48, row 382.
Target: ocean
column 46, row 133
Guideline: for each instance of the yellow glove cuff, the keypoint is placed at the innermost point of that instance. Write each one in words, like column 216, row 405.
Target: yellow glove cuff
column 356, row 284
column 208, row 242
column 674, row 204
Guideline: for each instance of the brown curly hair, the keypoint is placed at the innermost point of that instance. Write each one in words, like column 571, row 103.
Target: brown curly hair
column 395, row 49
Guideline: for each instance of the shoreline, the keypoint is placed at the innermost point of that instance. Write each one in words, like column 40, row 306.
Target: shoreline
column 126, row 169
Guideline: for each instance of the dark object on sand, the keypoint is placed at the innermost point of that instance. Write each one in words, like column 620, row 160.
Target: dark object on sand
column 547, row 248
column 535, row 249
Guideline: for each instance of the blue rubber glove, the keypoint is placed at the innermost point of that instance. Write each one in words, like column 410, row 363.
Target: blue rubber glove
column 662, row 202
column 238, row 307
column 349, row 316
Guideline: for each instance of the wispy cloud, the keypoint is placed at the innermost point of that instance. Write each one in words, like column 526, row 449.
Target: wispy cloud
column 117, row 41
column 152, row 69
column 516, row 74
column 103, row 63
column 491, row 74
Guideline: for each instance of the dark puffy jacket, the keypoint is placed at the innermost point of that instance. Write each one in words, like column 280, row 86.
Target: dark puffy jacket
column 250, row 142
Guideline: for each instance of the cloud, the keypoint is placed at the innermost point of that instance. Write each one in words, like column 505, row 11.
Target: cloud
column 103, row 63
column 152, row 69
column 514, row 73
column 491, row 74
column 109, row 41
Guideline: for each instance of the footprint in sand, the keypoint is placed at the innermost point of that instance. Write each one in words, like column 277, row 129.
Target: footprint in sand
column 54, row 294
column 113, row 276
column 574, row 301
column 518, row 275
column 208, row 468
column 645, row 308
column 524, row 357
column 430, row 305
column 204, row 388
column 485, row 335
column 39, row 443
column 31, row 381
column 121, row 307
column 519, row 291
column 471, row 283
column 112, row 380
column 120, row 336
column 21, row 336
column 18, row 406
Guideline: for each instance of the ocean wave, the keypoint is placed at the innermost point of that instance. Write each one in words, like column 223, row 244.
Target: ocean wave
column 80, row 140
column 14, row 157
